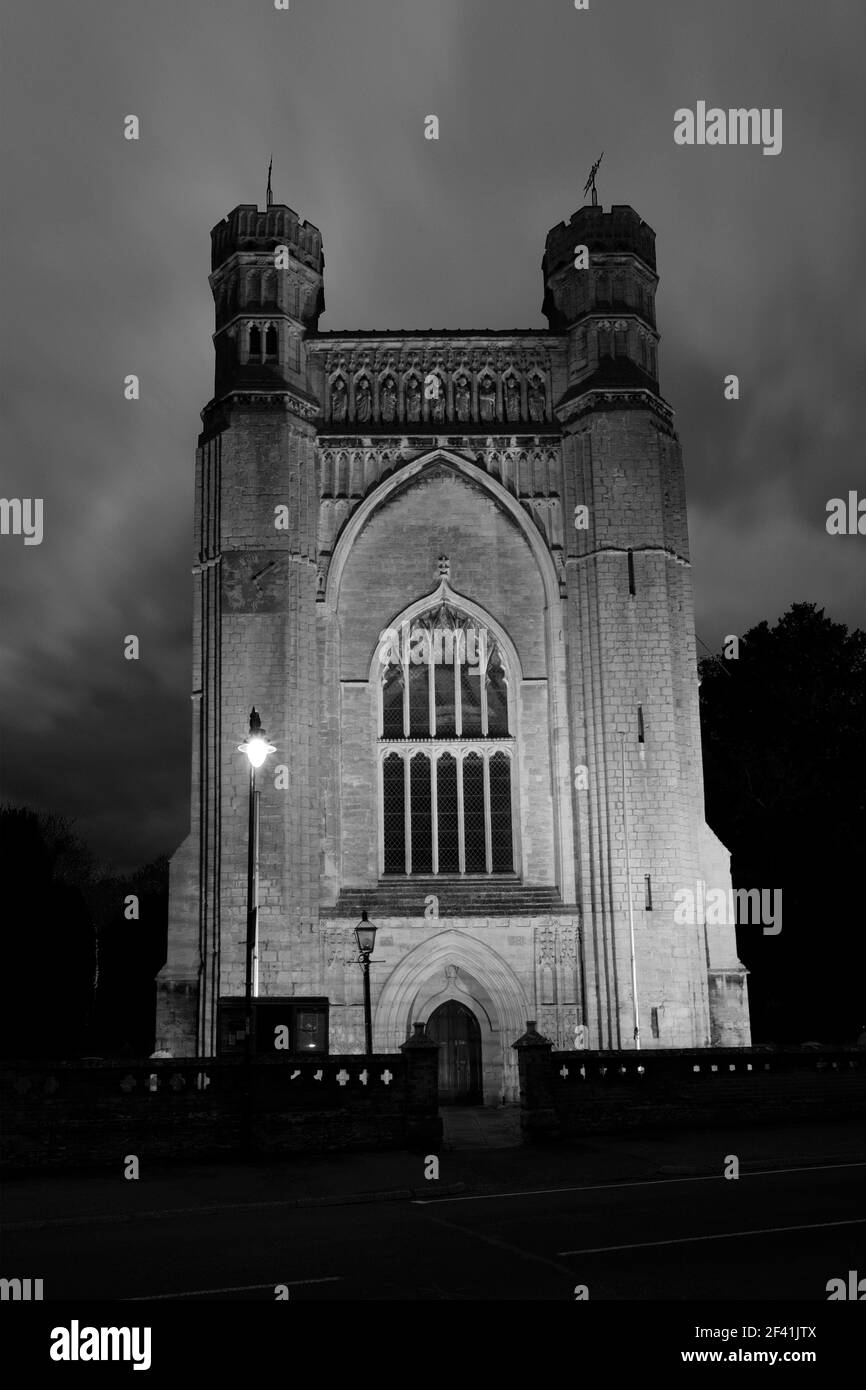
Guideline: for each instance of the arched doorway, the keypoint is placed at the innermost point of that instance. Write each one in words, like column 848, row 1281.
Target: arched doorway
column 456, row 1030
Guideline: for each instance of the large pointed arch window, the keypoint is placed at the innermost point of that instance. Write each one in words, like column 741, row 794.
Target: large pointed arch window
column 446, row 726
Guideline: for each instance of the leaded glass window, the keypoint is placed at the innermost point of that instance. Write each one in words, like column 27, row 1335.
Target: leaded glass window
column 446, row 742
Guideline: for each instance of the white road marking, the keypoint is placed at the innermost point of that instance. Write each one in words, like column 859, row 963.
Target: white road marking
column 238, row 1288
column 724, row 1235
column 501, row 1244
column 640, row 1182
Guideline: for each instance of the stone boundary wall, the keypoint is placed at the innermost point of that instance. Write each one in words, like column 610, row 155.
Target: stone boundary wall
column 568, row 1094
column 68, row 1115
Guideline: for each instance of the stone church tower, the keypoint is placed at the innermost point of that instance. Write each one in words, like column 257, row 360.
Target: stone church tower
column 451, row 571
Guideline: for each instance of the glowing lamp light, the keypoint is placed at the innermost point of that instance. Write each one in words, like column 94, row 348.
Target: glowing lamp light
column 257, row 749
column 256, row 745
column 365, row 936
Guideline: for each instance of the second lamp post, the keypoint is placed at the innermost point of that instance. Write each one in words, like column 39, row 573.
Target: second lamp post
column 365, row 936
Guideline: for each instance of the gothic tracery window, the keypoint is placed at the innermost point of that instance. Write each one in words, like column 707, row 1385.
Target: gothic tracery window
column 446, row 743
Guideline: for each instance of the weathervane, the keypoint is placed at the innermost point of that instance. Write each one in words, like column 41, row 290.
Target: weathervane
column 269, row 197
column 590, row 183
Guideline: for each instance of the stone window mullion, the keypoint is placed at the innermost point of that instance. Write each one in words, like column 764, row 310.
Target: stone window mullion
column 512, row 795
column 483, row 658
column 382, row 814
column 407, row 812
column 434, row 810
column 461, row 830
column 488, row 828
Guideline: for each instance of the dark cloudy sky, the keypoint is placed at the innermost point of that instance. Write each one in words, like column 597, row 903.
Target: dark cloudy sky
column 106, row 257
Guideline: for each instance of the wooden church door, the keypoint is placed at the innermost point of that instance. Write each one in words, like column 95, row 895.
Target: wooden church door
column 456, row 1030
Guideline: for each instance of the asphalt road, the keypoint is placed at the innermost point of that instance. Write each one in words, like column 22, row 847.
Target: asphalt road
column 765, row 1236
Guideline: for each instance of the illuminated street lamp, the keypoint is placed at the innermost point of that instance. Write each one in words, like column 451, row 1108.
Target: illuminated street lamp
column 257, row 749
column 365, row 937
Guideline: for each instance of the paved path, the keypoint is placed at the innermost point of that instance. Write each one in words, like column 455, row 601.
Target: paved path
column 481, row 1126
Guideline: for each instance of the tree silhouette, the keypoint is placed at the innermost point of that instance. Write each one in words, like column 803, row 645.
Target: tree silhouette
column 784, row 743
column 80, row 973
column 131, row 951
column 50, row 942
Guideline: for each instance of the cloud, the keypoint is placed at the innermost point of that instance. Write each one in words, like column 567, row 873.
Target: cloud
column 754, row 557
column 106, row 259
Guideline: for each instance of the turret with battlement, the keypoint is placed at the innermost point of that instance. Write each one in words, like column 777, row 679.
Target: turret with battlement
column 263, row 312
column 608, row 309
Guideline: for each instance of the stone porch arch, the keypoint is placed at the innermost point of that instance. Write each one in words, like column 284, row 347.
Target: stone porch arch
column 454, row 965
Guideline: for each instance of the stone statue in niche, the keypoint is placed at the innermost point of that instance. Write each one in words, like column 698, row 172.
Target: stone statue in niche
column 437, row 404
column 339, row 399
column 536, row 399
column 388, row 399
column 487, row 398
column 363, row 400
column 413, row 399
column 512, row 398
column 462, row 397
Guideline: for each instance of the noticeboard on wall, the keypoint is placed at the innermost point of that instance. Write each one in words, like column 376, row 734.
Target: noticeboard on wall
column 282, row 1026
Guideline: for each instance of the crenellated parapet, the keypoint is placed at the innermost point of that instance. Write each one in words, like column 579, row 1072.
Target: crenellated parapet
column 620, row 231
column 248, row 230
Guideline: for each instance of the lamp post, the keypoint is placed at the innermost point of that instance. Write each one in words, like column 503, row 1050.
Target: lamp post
column 365, row 937
column 257, row 749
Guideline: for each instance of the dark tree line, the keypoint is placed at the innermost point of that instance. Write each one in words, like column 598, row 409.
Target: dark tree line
column 79, row 973
column 784, row 743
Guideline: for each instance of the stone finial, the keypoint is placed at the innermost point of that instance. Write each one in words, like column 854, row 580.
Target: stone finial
column 418, row 1038
column 444, row 567
column 532, row 1037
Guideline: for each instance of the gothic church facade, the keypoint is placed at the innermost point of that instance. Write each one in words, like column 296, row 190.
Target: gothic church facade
column 451, row 571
